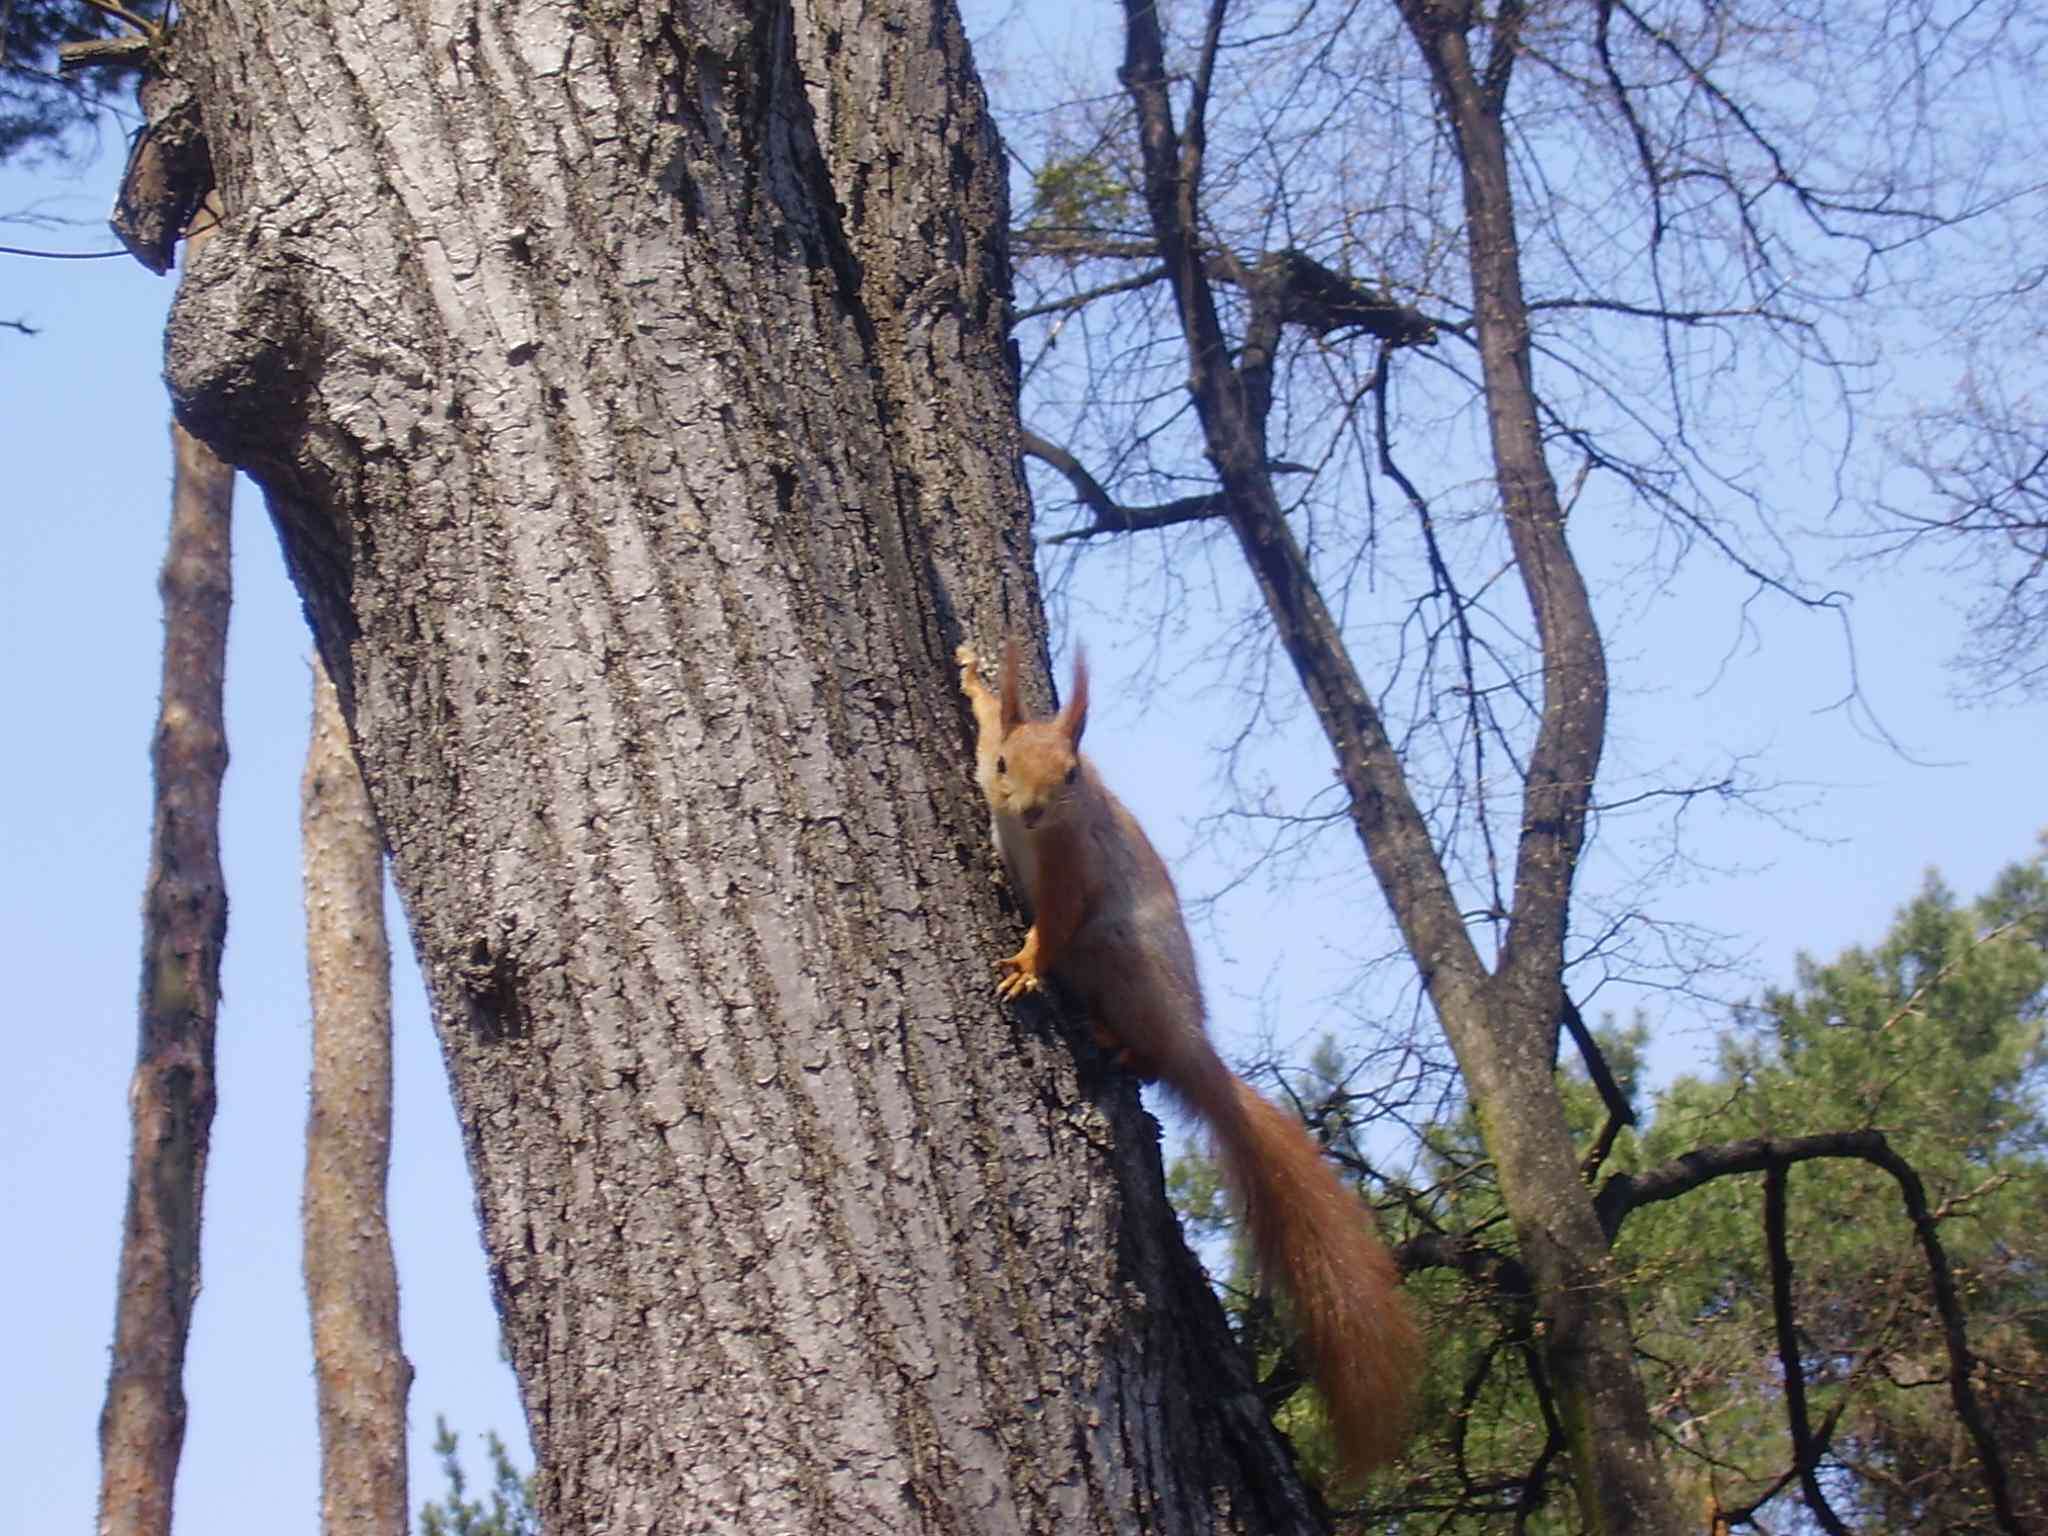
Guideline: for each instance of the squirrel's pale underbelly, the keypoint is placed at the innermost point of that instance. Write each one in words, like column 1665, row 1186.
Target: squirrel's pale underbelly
column 1014, row 847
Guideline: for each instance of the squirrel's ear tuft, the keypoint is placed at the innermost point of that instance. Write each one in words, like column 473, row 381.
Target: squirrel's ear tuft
column 1073, row 718
column 1013, row 703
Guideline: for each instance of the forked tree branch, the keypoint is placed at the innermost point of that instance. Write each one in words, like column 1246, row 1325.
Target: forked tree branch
column 1459, row 1251
column 1304, row 292
column 1112, row 516
column 1745, row 1514
column 1390, row 824
column 1536, row 1481
column 1626, row 1192
column 1619, row 1111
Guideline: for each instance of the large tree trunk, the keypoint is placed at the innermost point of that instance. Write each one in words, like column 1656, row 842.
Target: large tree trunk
column 361, row 1376
column 630, row 388
column 170, row 1100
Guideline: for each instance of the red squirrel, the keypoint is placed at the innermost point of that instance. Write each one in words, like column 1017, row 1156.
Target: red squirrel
column 1106, row 925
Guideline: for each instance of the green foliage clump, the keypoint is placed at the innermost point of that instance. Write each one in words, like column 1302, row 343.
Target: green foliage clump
column 43, row 112
column 1934, row 1038
column 511, row 1509
column 1075, row 195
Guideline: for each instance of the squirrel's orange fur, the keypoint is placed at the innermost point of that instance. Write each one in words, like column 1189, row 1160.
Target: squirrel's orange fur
column 1107, row 925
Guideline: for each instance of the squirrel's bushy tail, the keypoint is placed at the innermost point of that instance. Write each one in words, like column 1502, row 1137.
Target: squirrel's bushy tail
column 1318, row 1242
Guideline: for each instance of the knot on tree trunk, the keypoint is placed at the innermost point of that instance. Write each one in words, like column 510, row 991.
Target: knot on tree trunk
column 170, row 171
column 1320, row 300
column 239, row 349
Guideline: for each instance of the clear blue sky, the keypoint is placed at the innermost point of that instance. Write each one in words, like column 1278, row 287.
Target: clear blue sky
column 80, row 540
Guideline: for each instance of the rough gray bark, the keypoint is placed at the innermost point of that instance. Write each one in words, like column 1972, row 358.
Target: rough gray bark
column 360, row 1372
column 171, row 1098
column 630, row 388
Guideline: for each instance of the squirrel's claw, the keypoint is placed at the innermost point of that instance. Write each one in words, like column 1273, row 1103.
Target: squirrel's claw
column 1015, row 980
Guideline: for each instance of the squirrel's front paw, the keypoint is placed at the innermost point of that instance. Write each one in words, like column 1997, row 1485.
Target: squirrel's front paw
column 1016, row 980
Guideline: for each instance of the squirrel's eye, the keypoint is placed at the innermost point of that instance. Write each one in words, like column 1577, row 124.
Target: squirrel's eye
column 1002, row 766
column 1073, row 773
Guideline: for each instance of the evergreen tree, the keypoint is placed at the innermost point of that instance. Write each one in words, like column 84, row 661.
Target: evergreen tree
column 510, row 1511
column 45, row 112
column 1934, row 1039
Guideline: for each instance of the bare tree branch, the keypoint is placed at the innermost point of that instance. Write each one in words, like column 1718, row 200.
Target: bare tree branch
column 1625, row 1192
column 1308, row 293
column 1082, row 300
column 1806, row 1448
column 1113, row 517
column 1983, row 466
column 1620, row 1112
column 1499, row 1272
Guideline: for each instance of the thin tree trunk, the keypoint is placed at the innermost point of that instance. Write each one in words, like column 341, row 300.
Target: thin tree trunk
column 1501, row 1025
column 171, row 1098
column 631, row 390
column 360, row 1372
column 1508, row 1059
column 1389, row 824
